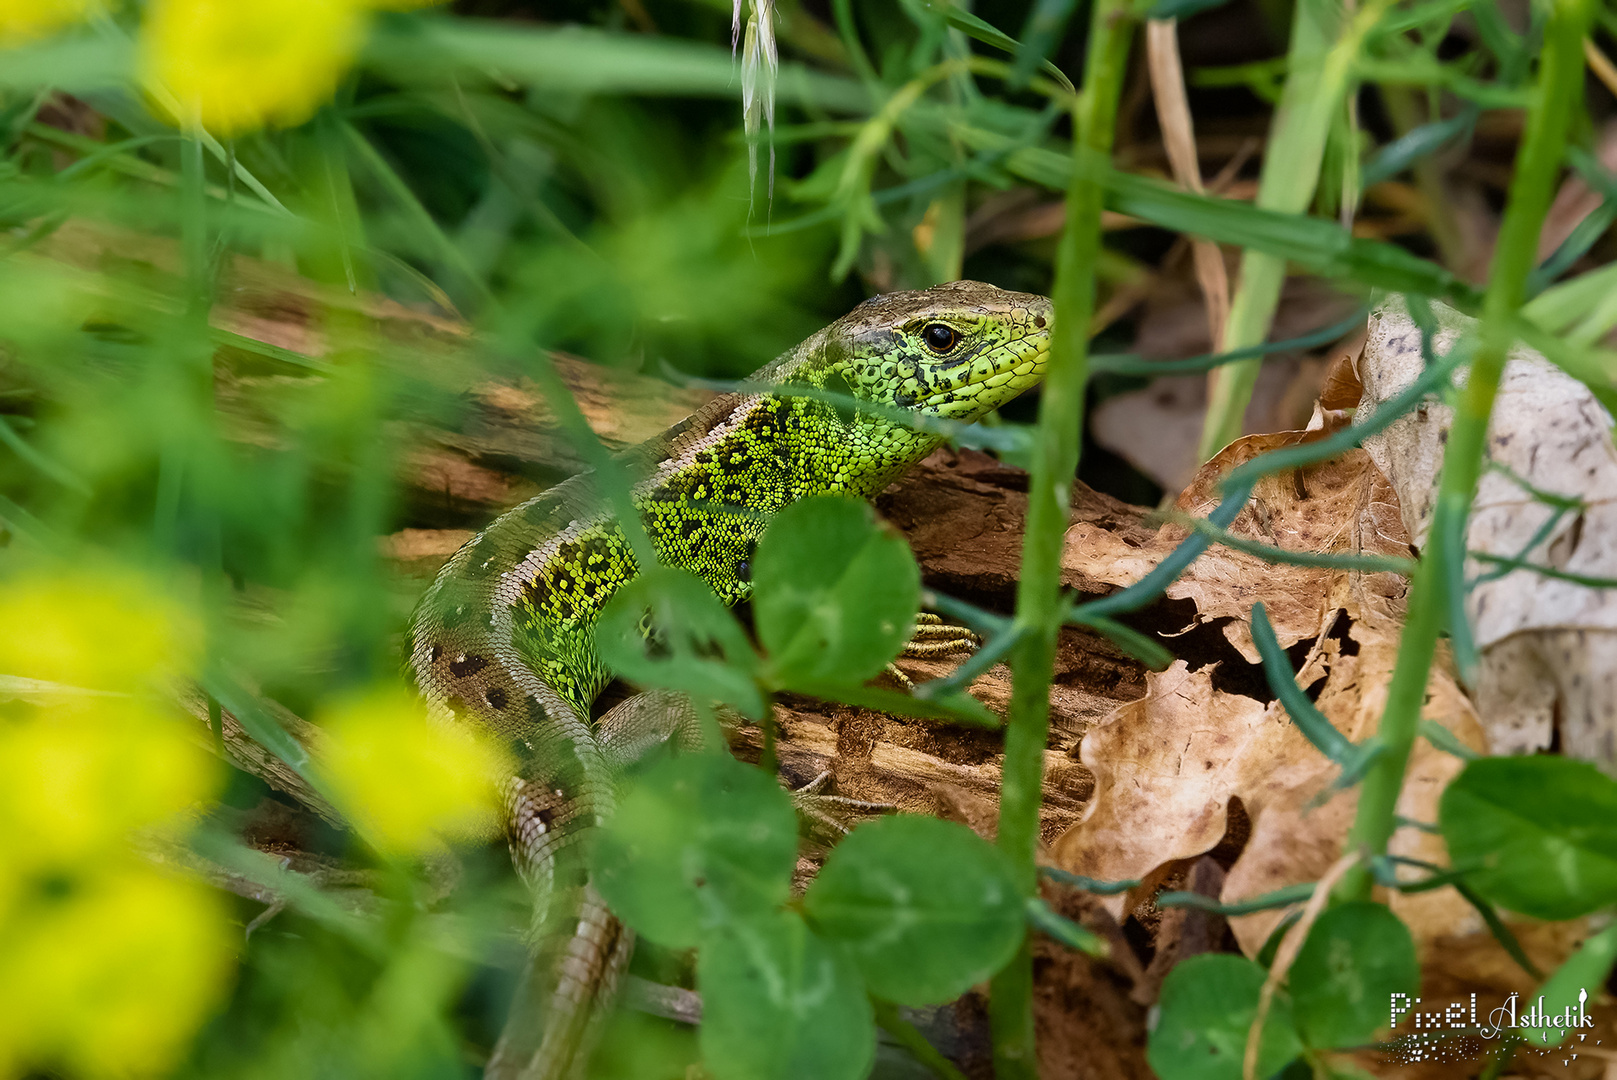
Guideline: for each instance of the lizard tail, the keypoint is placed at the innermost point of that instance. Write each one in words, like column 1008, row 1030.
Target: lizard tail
column 567, row 991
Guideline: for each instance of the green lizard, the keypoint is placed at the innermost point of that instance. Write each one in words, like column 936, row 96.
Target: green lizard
column 503, row 638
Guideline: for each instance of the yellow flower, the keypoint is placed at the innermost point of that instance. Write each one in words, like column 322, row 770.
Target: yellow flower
column 235, row 65
column 24, row 19
column 405, row 780
column 104, row 630
column 106, row 965
column 78, row 776
column 109, row 974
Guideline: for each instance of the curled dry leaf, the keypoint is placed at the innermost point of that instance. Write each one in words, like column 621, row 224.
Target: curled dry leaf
column 1167, row 767
column 1548, row 647
column 1341, row 507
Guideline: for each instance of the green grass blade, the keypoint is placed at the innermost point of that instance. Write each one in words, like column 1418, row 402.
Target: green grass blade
column 1279, row 898
column 1046, row 920
column 400, row 191
column 1124, row 364
column 989, row 34
column 1422, row 142
column 585, row 61
column 1283, row 684
column 1087, row 884
column 1367, row 564
column 1046, row 22
column 1148, row 652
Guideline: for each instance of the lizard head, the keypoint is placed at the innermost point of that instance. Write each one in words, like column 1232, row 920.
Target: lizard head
column 956, row 351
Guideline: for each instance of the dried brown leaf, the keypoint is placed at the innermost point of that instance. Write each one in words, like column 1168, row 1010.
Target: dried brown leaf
column 1168, row 767
column 1340, row 507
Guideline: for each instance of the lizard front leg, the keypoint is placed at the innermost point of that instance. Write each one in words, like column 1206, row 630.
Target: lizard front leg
column 657, row 717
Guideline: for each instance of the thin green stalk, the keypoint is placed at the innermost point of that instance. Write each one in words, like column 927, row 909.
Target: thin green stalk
column 1325, row 43
column 119, row 157
column 1365, row 564
column 1236, row 489
column 25, row 526
column 1127, row 364
column 187, row 375
column 1501, row 1057
column 853, row 198
column 609, row 472
column 25, row 451
column 842, row 10
column 1269, row 901
column 400, row 191
column 1519, row 563
column 1503, row 565
column 1537, row 168
column 1039, row 604
column 193, row 222
column 335, row 188
column 892, row 1022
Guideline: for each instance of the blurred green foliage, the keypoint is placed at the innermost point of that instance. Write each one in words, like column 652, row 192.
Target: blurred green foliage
column 220, row 348
column 206, row 381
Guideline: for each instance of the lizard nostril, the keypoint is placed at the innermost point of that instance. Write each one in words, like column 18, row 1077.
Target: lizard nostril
column 1038, row 321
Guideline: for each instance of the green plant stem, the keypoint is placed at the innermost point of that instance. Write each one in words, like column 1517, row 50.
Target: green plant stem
column 1325, row 43
column 423, row 221
column 183, row 504
column 1039, row 604
column 842, row 11
column 1519, row 563
column 1537, row 168
column 1440, row 221
column 334, row 188
column 893, row 1022
column 193, row 223
column 1364, row 564
column 1501, row 1057
column 853, row 197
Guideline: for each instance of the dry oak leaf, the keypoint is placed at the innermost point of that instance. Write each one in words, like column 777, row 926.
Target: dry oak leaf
column 1343, row 506
column 1167, row 767
column 1548, row 647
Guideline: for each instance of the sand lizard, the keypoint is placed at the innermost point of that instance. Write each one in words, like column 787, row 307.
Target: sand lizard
column 503, row 638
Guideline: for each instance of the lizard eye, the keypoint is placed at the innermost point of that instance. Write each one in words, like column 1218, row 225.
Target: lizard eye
column 939, row 337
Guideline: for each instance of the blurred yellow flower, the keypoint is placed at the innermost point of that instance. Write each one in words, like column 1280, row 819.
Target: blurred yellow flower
column 109, row 974
column 99, row 629
column 407, row 781
column 236, row 65
column 107, row 966
column 76, row 777
column 24, row 19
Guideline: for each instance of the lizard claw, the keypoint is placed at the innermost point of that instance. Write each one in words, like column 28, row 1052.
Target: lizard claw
column 818, row 809
column 899, row 677
column 934, row 637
